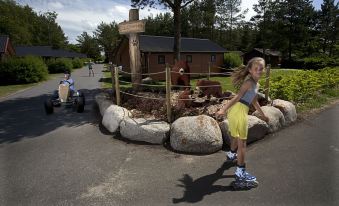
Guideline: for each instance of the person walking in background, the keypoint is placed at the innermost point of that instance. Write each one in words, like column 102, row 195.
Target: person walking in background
column 245, row 78
column 90, row 68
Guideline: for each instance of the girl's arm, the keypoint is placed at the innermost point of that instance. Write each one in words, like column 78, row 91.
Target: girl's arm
column 256, row 105
column 235, row 99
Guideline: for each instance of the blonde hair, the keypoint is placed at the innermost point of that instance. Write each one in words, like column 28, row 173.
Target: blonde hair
column 242, row 72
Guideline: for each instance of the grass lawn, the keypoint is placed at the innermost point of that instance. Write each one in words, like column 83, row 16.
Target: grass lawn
column 10, row 89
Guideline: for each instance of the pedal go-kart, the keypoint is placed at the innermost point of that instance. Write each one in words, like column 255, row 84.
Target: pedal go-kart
column 64, row 96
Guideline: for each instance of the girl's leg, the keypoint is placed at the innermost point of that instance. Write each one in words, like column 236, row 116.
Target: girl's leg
column 241, row 151
column 232, row 155
column 234, row 144
column 241, row 172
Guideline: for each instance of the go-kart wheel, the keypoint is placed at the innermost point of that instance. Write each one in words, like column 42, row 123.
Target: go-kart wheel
column 48, row 106
column 80, row 104
column 80, row 94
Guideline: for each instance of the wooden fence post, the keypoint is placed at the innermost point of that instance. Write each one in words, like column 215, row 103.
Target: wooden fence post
column 111, row 69
column 267, row 83
column 117, row 86
column 168, row 93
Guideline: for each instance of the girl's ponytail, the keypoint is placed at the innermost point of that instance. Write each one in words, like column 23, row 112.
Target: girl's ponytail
column 239, row 76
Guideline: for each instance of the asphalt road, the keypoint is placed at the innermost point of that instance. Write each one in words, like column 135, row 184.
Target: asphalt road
column 70, row 159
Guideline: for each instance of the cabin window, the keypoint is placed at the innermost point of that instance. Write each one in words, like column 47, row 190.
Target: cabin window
column 161, row 59
column 189, row 58
column 213, row 58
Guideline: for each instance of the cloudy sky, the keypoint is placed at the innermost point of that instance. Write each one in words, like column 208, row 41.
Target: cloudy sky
column 76, row 16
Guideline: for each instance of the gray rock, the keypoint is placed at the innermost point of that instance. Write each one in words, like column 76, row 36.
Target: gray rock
column 224, row 131
column 113, row 116
column 287, row 108
column 257, row 129
column 103, row 102
column 196, row 134
column 146, row 130
column 276, row 117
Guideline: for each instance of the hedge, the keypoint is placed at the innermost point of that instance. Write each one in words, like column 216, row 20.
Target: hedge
column 303, row 85
column 23, row 70
column 232, row 60
column 59, row 65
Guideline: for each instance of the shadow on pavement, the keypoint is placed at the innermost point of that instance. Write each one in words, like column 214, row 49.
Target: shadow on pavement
column 26, row 118
column 195, row 190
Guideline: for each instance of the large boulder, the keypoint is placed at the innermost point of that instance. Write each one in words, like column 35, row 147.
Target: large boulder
column 288, row 110
column 146, row 130
column 257, row 129
column 103, row 102
column 113, row 116
column 276, row 117
column 196, row 134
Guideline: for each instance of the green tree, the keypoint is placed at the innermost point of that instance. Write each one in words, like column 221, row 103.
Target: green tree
column 88, row 45
column 294, row 18
column 107, row 35
column 26, row 27
column 229, row 17
column 328, row 25
column 160, row 25
column 176, row 6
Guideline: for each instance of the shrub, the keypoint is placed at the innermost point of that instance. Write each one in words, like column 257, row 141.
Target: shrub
column 303, row 85
column 314, row 63
column 23, row 70
column 77, row 63
column 59, row 65
column 232, row 60
column 319, row 62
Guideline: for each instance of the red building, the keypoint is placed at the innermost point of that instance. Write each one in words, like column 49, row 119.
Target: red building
column 156, row 51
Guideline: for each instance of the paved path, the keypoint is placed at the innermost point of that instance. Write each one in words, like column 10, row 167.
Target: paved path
column 69, row 159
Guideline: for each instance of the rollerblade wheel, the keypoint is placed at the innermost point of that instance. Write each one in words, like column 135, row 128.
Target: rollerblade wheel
column 243, row 185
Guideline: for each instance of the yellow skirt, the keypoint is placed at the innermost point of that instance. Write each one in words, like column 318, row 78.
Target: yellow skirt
column 237, row 120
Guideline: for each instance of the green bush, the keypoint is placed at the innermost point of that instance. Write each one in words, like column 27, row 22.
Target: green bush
column 303, row 85
column 314, row 63
column 232, row 60
column 319, row 62
column 77, row 63
column 59, row 65
column 23, row 70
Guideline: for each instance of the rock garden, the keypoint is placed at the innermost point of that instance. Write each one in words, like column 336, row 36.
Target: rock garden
column 194, row 129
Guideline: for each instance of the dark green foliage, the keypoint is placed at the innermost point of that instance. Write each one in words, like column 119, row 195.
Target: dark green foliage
column 25, row 27
column 77, row 63
column 232, row 60
column 23, row 70
column 108, row 37
column 89, row 46
column 314, row 63
column 59, row 65
column 160, row 25
column 319, row 62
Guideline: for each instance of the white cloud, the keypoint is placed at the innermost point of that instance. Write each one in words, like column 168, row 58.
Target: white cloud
column 55, row 5
column 77, row 16
column 248, row 4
